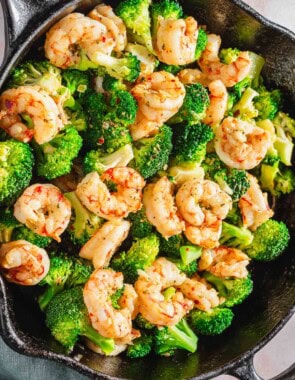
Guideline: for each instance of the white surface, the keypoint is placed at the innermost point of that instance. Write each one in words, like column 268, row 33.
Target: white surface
column 278, row 354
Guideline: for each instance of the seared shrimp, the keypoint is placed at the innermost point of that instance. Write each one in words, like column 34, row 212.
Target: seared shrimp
column 218, row 103
column 96, row 196
column 23, row 263
column 212, row 67
column 191, row 76
column 203, row 205
column 31, row 101
column 108, row 321
column 176, row 40
column 159, row 97
column 224, row 262
column 104, row 243
column 240, row 144
column 254, row 206
column 198, row 290
column 44, row 209
column 115, row 26
column 152, row 304
column 160, row 208
column 73, row 36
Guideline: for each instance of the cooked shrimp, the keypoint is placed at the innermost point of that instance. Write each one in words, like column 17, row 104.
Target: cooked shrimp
column 96, row 196
column 203, row 205
column 159, row 96
column 108, row 321
column 35, row 103
column 115, row 26
column 160, row 208
column 176, row 40
column 73, row 36
column 218, row 103
column 191, row 76
column 240, row 144
column 23, row 263
column 254, row 206
column 44, row 209
column 212, row 67
column 104, row 243
column 152, row 304
column 198, row 290
column 224, row 262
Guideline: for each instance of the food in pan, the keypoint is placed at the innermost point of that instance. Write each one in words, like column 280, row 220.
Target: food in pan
column 139, row 165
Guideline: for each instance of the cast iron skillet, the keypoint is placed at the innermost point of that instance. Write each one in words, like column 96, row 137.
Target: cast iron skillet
column 272, row 304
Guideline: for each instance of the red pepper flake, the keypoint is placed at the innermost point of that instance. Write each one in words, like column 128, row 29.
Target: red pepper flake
column 100, row 140
column 9, row 104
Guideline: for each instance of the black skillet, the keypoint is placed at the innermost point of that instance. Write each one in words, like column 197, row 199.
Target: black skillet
column 272, row 303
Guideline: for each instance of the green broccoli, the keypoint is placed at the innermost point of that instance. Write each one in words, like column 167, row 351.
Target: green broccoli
column 141, row 255
column 172, row 69
column 34, row 73
column 229, row 55
column 55, row 158
column 148, row 62
column 98, row 161
column 67, row 318
column 78, row 82
column 235, row 93
column 115, row 298
column 7, row 225
column 237, row 237
column 235, row 182
column 83, row 223
column 189, row 144
column 171, row 246
column 201, row 43
column 112, row 84
column 136, row 16
column 267, row 103
column 212, row 322
column 164, row 8
column 270, row 239
column 140, row 347
column 140, row 225
column 170, row 338
column 194, row 105
column 235, row 291
column 188, row 269
column 151, row 154
column 143, row 323
column 24, row 233
column 245, row 108
column 181, row 174
column 257, row 63
column 190, row 253
column 77, row 117
column 16, row 165
column 286, row 122
column 285, row 132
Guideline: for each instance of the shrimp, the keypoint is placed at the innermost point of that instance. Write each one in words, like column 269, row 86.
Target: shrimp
column 75, row 35
column 198, row 290
column 191, row 76
column 240, row 144
column 218, row 103
column 44, row 209
column 254, row 206
column 224, row 262
column 108, row 321
column 203, row 205
column 23, row 263
column 35, row 103
column 152, row 304
column 115, row 26
column 95, row 195
column 176, row 40
column 160, row 208
column 212, row 67
column 159, row 96
column 104, row 243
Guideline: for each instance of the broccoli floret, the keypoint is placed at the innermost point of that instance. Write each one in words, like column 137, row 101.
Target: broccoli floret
column 78, row 82
column 7, row 225
column 188, row 269
column 234, row 216
column 194, row 105
column 34, row 73
column 140, row 347
column 172, row 69
column 285, row 132
column 212, row 322
column 233, row 236
column 229, row 55
column 239, row 88
column 115, row 298
column 286, row 122
column 24, row 233
column 189, row 144
column 112, row 84
column 181, row 174
column 140, row 225
column 141, row 255
column 164, row 8
column 180, row 336
column 233, row 181
column 16, row 165
column 257, row 63
column 245, row 108
column 148, row 62
column 171, row 246
column 143, row 323
column 78, row 118
column 55, row 158
column 98, row 161
column 190, row 253
column 235, row 291
column 270, row 240
column 267, row 103
column 122, row 109
column 83, row 223
column 136, row 16
column 151, row 154
column 67, row 318
column 201, row 43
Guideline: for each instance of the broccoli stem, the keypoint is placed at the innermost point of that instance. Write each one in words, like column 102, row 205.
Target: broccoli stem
column 47, row 296
column 106, row 344
column 189, row 253
column 184, row 336
column 5, row 234
column 257, row 63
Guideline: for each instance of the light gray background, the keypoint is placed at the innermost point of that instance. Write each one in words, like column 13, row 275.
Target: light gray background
column 275, row 357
